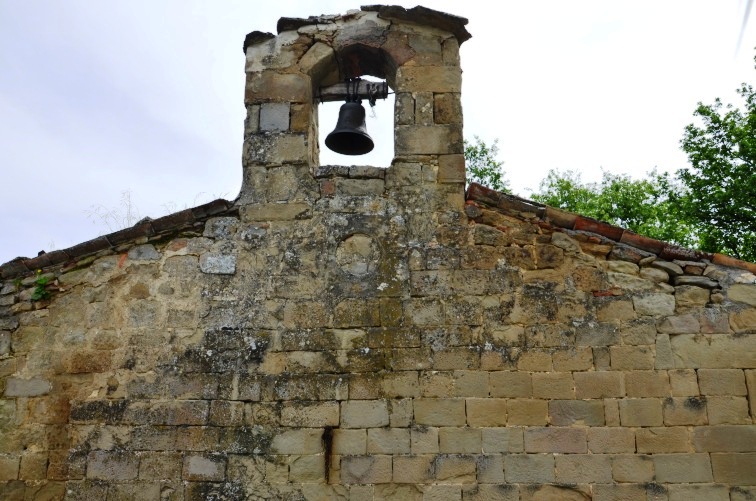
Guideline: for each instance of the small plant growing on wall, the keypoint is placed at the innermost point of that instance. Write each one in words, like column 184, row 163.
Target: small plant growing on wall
column 40, row 289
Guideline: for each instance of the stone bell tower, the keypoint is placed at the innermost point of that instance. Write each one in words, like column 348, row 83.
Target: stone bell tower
column 415, row 50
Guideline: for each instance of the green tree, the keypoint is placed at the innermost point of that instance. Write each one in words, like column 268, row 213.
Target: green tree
column 483, row 167
column 720, row 185
column 643, row 206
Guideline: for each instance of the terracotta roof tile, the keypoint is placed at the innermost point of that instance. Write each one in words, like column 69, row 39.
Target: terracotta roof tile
column 582, row 227
column 640, row 242
column 172, row 223
column 128, row 234
column 88, row 247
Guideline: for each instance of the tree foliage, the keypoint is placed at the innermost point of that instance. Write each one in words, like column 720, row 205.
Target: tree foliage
column 720, row 195
column 643, row 205
column 710, row 205
column 482, row 165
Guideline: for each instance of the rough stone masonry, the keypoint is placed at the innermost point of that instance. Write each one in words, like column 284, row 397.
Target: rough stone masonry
column 374, row 333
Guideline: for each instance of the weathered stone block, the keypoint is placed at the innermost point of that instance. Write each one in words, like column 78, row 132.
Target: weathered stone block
column 33, row 466
column 486, row 412
column 556, row 439
column 451, row 169
column 553, row 385
column 364, row 414
column 688, row 296
column 356, row 313
column 511, row 384
column 597, row 334
column 400, row 413
column 274, row 117
column 722, row 382
column 186, row 412
column 683, row 382
column 685, row 411
column 437, row 79
column 583, row 469
column 404, row 108
column 460, row 440
column 664, row 357
column 713, row 351
column 641, row 412
column 611, row 440
column 160, row 465
column 412, row 469
column 401, row 384
column 453, row 358
column 660, row 440
column 727, row 410
column 535, row 360
column 86, row 361
column 742, row 293
column 529, row 468
column 743, row 320
column 307, row 469
column 112, row 465
column 631, row 358
column 659, row 276
column 734, row 469
column 654, row 304
column 619, row 492
column 682, row 468
column 388, row 441
column 209, row 467
column 491, row 469
column 310, row 414
column 454, row 468
column 218, row 264
column 428, row 140
column 576, row 412
column 423, row 108
column 447, row 108
column 598, row 384
column 643, row 383
column 522, row 411
column 9, row 466
column 359, row 187
column 424, row 440
column 744, row 493
column 443, row 493
column 679, row 324
column 573, row 359
column 698, row 492
column 440, row 412
column 280, row 87
column 274, row 149
column 33, row 387
column 349, row 442
column 145, row 252
column 502, row 440
column 615, row 309
column 632, row 468
column 641, row 331
column 713, row 321
column 372, row 469
column 302, row 441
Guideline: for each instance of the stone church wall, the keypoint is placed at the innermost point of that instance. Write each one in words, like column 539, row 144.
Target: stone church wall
column 374, row 333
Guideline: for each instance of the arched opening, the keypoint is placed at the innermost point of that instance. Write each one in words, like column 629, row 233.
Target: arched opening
column 379, row 121
column 369, row 63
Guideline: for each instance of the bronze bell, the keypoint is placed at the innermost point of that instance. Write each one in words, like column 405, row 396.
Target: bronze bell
column 350, row 136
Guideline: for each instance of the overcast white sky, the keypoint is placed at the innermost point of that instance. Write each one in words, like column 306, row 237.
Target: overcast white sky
column 98, row 98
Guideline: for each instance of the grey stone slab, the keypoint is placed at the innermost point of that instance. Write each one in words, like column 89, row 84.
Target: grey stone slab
column 218, row 264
